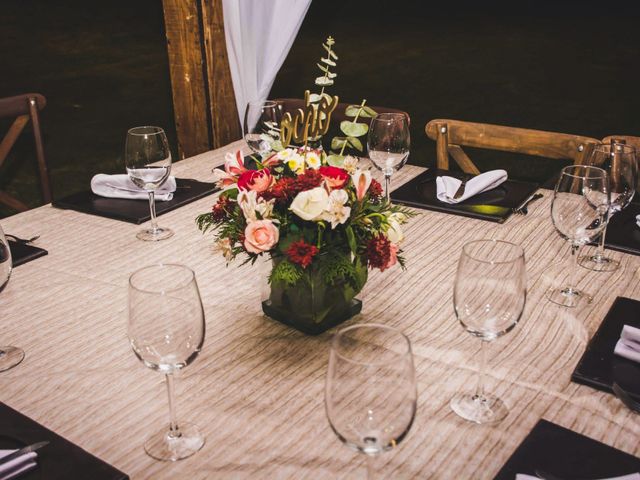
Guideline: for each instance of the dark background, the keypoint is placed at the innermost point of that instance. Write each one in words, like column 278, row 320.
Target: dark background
column 564, row 66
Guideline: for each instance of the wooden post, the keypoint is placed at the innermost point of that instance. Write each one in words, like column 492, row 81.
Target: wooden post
column 225, row 126
column 203, row 98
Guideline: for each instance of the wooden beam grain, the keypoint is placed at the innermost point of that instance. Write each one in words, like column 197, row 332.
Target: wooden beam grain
column 225, row 125
column 188, row 84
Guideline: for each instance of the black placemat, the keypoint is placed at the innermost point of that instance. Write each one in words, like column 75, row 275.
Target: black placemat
column 598, row 363
column 562, row 453
column 58, row 460
column 622, row 232
column 494, row 205
column 135, row 211
column 22, row 253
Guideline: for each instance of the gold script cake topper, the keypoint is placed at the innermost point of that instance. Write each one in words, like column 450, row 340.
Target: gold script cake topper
column 309, row 122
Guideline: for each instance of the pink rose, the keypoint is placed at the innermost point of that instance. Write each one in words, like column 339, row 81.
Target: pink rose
column 258, row 180
column 260, row 236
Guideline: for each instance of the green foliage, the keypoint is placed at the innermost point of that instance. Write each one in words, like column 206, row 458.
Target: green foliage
column 338, row 267
column 326, row 79
column 285, row 272
column 352, row 130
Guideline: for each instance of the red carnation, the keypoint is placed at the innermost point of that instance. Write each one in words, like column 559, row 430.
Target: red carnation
column 335, row 177
column 302, row 253
column 282, row 190
column 375, row 189
column 379, row 252
column 307, row 180
column 221, row 208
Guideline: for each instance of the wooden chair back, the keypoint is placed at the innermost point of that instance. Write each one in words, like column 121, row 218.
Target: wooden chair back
column 24, row 108
column 452, row 135
column 628, row 139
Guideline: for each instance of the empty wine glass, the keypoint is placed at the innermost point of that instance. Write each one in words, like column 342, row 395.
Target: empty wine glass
column 370, row 392
column 388, row 143
column 148, row 160
column 166, row 331
column 489, row 296
column 579, row 213
column 261, row 126
column 9, row 356
column 619, row 160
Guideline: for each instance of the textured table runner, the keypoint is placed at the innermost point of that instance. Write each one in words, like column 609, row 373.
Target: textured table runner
column 257, row 388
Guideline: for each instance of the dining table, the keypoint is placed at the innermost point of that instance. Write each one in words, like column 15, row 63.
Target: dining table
column 256, row 389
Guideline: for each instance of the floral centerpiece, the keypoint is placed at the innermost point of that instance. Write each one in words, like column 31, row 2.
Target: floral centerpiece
column 323, row 227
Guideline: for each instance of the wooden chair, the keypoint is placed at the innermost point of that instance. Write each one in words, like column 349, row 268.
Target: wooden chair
column 628, row 139
column 23, row 108
column 451, row 135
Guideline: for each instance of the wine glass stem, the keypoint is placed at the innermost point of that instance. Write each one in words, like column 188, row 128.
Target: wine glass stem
column 572, row 270
column 174, row 431
column 483, row 366
column 599, row 255
column 371, row 467
column 387, row 184
column 152, row 209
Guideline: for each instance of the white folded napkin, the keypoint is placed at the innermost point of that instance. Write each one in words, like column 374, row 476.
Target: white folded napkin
column 631, row 476
column 17, row 466
column 448, row 186
column 629, row 344
column 121, row 186
column 638, row 220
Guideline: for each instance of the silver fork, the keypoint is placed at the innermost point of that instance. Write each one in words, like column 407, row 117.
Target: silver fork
column 522, row 209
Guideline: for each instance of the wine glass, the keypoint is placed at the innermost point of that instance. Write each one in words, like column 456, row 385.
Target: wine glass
column 579, row 213
column 388, row 143
column 370, row 391
column 148, row 160
column 261, row 126
column 620, row 162
column 9, row 356
column 489, row 295
column 166, row 331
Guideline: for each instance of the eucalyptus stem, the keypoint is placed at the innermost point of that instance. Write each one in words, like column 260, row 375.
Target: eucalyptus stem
column 354, row 121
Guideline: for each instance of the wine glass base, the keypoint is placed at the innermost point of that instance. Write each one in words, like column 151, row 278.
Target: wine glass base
column 150, row 235
column 170, row 449
column 10, row 357
column 568, row 297
column 479, row 409
column 598, row 263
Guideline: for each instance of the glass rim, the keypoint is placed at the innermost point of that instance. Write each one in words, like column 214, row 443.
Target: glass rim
column 334, row 342
column 606, row 147
column 386, row 116
column 158, row 130
column 565, row 171
column 264, row 103
column 192, row 277
column 468, row 245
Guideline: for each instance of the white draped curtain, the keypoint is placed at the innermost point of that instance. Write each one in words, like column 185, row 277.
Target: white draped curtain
column 259, row 34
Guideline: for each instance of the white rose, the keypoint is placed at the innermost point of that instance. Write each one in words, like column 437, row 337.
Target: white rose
column 310, row 204
column 395, row 233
